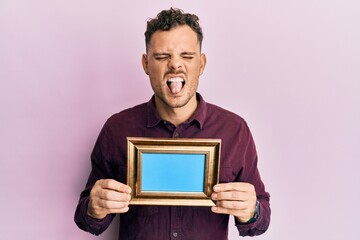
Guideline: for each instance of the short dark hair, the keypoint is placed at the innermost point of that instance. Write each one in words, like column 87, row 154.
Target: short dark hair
column 168, row 19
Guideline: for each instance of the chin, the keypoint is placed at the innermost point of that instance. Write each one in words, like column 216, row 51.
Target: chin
column 176, row 102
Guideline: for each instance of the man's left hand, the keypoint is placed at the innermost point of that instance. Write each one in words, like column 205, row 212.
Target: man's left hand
column 236, row 198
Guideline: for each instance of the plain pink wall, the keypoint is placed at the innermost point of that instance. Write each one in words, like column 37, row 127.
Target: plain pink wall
column 291, row 68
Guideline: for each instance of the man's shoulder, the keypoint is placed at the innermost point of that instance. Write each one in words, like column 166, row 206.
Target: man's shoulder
column 128, row 114
column 221, row 113
column 226, row 122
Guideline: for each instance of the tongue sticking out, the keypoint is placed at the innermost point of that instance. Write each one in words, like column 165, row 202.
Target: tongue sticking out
column 175, row 87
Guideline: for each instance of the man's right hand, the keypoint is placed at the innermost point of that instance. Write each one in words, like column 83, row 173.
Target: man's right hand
column 108, row 196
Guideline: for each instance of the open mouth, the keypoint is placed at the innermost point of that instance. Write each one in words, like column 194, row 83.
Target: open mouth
column 175, row 84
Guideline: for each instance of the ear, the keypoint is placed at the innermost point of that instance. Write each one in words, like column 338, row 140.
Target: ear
column 202, row 63
column 144, row 62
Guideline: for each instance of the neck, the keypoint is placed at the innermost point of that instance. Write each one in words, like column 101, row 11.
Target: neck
column 176, row 115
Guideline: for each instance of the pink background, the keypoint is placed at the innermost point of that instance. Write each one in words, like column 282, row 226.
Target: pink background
column 290, row 68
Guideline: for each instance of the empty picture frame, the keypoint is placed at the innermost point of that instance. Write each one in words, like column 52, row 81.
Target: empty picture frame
column 164, row 171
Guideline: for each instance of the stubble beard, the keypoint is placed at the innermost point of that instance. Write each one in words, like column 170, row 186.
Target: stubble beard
column 175, row 101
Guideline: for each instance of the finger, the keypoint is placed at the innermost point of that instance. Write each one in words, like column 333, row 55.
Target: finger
column 105, row 204
column 113, row 195
column 114, row 185
column 235, row 205
column 234, row 196
column 241, row 215
column 101, row 213
column 234, row 186
column 118, row 210
column 222, row 210
column 231, row 195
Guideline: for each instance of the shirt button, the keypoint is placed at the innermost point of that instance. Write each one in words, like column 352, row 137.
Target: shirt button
column 176, row 134
column 175, row 234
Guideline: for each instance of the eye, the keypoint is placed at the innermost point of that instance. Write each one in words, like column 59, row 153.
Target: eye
column 161, row 57
column 188, row 55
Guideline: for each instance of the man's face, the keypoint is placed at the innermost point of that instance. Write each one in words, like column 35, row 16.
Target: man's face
column 174, row 64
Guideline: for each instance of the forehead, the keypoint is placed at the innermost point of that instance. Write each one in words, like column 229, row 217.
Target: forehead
column 179, row 38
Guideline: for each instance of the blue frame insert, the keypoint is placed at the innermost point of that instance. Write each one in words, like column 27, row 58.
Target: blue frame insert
column 173, row 172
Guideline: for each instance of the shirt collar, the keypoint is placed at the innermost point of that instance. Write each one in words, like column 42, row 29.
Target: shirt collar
column 153, row 117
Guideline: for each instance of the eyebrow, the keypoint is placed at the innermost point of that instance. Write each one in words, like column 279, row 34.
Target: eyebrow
column 161, row 54
column 168, row 54
column 188, row 53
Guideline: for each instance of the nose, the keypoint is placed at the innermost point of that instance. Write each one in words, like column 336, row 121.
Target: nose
column 175, row 63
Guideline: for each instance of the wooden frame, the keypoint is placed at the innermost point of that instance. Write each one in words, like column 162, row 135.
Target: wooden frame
column 181, row 171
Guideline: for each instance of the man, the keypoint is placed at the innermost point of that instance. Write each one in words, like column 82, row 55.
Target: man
column 174, row 63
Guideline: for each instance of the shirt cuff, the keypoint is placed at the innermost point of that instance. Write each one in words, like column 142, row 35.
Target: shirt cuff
column 95, row 226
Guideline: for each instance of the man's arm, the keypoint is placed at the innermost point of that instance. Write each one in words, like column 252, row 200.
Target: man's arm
column 103, row 196
column 246, row 192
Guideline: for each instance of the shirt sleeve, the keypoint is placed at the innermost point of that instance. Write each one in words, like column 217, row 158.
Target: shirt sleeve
column 89, row 224
column 101, row 169
column 250, row 174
